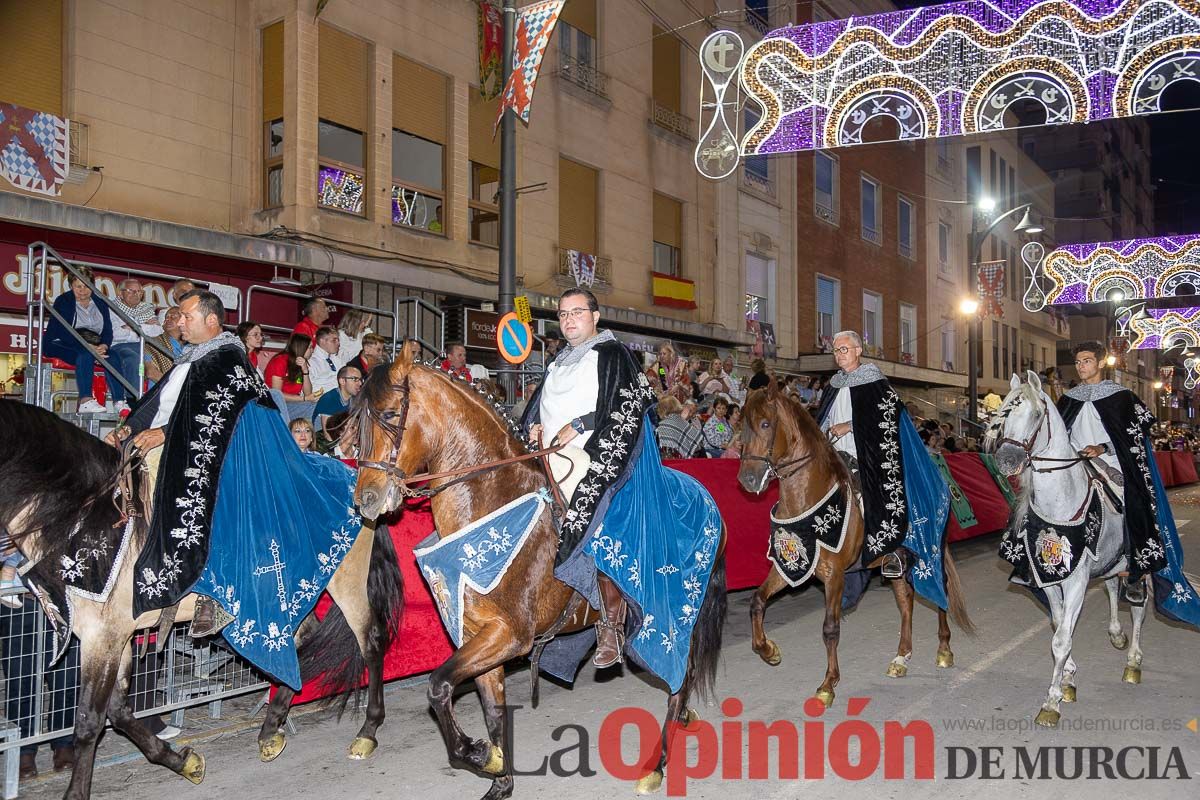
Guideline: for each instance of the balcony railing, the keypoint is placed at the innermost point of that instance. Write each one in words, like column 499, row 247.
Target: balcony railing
column 603, row 267
column 583, row 75
column 825, row 210
column 872, row 235
column 756, row 22
column 671, row 120
column 906, row 250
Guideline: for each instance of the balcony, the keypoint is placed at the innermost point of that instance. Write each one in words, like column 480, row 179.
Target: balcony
column 563, row 276
column 824, row 208
column 756, row 23
column 872, row 235
column 583, row 75
column 671, row 121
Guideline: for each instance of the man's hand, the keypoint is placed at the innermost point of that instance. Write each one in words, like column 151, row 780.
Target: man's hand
column 149, row 439
column 1092, row 451
column 535, row 434
column 114, row 440
column 565, row 435
column 839, row 430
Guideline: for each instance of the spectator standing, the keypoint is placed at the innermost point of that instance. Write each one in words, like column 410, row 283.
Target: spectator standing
column 717, row 433
column 455, row 361
column 324, row 364
column 287, row 376
column 178, row 290
column 351, row 331
column 90, row 318
column 678, row 434
column 760, row 379
column 251, row 335
column 316, row 312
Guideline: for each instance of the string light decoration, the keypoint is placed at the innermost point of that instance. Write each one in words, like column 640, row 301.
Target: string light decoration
column 960, row 68
column 1159, row 329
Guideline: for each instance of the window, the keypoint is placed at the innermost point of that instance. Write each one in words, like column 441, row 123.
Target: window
column 1004, row 347
column 869, row 207
column 825, row 187
column 760, row 278
column 484, row 154
column 949, row 345
column 668, row 239
column 992, row 180
column 667, row 67
column 418, row 146
column 943, row 153
column 576, row 34
column 343, row 66
column 272, row 115
column 829, row 318
column 33, row 71
column 974, row 173
column 908, row 333
column 757, row 168
column 1012, row 187
column 907, row 223
column 577, row 194
column 872, row 327
column 1002, row 195
column 995, row 349
column 943, row 246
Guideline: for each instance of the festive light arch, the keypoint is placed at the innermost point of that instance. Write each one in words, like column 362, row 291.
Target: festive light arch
column 1142, row 269
column 951, row 69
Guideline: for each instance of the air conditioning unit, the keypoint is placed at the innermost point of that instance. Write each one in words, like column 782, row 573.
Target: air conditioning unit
column 79, row 166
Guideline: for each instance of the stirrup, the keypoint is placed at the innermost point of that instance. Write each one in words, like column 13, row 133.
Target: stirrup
column 1134, row 591
column 211, row 618
column 892, row 566
column 619, row 635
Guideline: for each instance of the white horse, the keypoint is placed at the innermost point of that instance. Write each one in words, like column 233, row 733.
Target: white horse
column 1028, row 437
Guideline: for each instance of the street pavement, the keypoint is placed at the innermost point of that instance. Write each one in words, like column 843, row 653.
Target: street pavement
column 987, row 700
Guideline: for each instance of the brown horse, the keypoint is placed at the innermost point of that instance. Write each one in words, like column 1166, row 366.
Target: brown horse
column 412, row 418
column 781, row 440
column 56, row 479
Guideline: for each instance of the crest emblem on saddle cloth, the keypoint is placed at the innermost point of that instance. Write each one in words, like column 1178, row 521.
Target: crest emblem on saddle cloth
column 790, row 549
column 796, row 542
column 1054, row 551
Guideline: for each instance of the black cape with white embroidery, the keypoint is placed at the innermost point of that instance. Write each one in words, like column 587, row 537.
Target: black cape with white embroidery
column 219, row 385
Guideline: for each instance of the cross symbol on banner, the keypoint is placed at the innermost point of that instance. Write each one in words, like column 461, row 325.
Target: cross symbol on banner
column 277, row 568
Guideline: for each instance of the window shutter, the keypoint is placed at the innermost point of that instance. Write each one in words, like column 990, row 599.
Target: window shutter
column 825, row 296
column 666, row 69
column 581, row 15
column 343, row 64
column 481, row 117
column 419, row 100
column 668, row 221
column 756, row 276
column 32, row 75
column 577, row 186
column 272, row 75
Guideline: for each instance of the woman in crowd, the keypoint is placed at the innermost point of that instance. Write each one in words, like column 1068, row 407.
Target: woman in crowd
column 351, row 331
column 760, row 379
column 717, row 433
column 669, row 370
column 715, row 381
column 89, row 316
column 734, row 450
column 287, row 376
column 678, row 434
column 251, row 334
column 303, row 434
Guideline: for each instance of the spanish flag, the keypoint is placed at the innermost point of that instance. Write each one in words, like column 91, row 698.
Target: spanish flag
column 673, row 292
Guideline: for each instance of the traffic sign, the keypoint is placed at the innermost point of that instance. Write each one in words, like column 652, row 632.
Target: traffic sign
column 514, row 339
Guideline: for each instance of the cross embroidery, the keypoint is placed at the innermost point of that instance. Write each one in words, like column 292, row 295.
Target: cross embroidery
column 277, row 568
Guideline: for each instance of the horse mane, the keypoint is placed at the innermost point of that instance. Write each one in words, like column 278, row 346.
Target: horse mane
column 61, row 473
column 824, row 456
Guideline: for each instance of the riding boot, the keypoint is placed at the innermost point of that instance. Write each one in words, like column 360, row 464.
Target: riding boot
column 892, row 566
column 209, row 618
column 610, row 630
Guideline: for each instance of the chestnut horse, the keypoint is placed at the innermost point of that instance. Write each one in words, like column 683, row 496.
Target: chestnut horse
column 413, row 418
column 781, row 440
column 56, row 497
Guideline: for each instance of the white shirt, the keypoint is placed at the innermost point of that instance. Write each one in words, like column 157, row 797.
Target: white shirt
column 840, row 412
column 567, row 393
column 1088, row 430
column 169, row 395
column 322, row 370
column 350, row 347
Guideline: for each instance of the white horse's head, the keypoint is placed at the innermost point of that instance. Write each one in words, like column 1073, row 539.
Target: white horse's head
column 1017, row 426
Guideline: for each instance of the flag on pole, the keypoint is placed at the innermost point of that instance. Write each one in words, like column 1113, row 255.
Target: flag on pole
column 491, row 49
column 34, row 149
column 534, row 25
column 991, row 288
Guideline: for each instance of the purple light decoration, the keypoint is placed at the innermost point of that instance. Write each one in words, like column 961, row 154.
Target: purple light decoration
column 1102, row 76
column 1136, row 266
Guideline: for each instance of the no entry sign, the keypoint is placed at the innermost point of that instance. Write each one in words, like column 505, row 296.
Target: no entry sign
column 514, row 339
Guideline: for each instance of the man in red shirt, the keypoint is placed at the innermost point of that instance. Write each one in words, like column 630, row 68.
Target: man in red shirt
column 315, row 313
column 456, row 360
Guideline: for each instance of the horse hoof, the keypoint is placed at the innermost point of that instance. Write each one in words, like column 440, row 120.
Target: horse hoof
column 689, row 718
column 193, row 767
column 1132, row 675
column 361, row 748
column 897, row 669
column 271, row 748
column 825, row 696
column 495, row 762
column 945, row 659
column 651, row 783
column 1048, row 718
column 773, row 656
column 1119, row 641
column 1068, row 694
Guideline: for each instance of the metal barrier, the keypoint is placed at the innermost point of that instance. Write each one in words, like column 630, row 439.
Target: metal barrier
column 40, row 699
column 301, row 296
column 417, row 315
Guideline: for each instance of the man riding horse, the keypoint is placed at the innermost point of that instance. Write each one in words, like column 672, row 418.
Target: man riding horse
column 239, row 516
column 1110, row 425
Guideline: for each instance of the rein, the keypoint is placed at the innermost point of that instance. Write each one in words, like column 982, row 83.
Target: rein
column 1027, row 446
column 776, row 468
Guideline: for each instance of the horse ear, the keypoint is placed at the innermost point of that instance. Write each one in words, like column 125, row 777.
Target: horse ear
column 1015, row 382
column 1034, row 380
column 406, row 356
column 772, row 388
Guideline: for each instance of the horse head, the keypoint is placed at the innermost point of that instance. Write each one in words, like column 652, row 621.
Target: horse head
column 1012, row 434
column 775, row 441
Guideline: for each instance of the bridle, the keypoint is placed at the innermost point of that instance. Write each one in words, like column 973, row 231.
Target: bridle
column 776, row 468
column 395, row 434
column 1029, row 443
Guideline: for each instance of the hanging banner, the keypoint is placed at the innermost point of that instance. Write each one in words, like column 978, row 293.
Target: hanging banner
column 673, row 292
column 534, row 25
column 582, row 266
column 491, row 49
column 34, row 149
column 991, row 289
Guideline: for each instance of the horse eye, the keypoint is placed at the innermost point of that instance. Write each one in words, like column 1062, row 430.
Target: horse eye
column 764, row 424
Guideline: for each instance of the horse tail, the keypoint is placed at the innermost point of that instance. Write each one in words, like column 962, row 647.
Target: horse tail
column 331, row 654
column 954, row 593
column 706, row 635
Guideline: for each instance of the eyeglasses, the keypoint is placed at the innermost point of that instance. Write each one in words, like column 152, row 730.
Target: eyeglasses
column 572, row 313
column 356, row 380
column 841, row 351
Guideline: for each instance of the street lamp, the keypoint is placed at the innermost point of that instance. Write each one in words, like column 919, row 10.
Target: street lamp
column 968, row 306
column 1158, row 385
column 985, row 205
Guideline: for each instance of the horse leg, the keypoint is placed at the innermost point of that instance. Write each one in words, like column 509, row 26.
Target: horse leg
column 485, row 651
column 678, row 715
column 99, row 659
column 945, row 656
column 1115, row 635
column 767, row 650
column 1066, row 601
column 1133, row 664
column 491, row 696
column 898, row 667
column 831, row 632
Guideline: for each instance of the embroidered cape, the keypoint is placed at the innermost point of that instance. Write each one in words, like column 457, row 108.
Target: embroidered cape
column 795, row 541
column 1044, row 552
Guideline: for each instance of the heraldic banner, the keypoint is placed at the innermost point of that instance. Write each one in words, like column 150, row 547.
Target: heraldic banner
column 34, row 149
column 534, row 25
column 991, row 288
